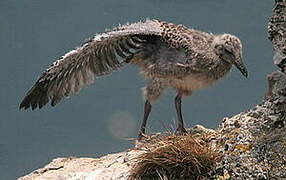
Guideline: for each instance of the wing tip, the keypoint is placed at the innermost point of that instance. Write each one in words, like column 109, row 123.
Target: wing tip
column 22, row 106
column 25, row 105
column 35, row 98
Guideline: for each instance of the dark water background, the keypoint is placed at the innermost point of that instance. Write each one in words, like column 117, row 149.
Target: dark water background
column 99, row 119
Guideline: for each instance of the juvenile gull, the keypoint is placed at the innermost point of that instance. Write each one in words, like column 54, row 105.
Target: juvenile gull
column 169, row 55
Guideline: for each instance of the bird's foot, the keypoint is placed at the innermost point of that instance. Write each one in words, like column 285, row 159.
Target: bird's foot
column 141, row 135
column 141, row 139
column 181, row 131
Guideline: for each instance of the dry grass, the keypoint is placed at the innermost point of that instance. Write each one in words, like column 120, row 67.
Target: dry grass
column 174, row 157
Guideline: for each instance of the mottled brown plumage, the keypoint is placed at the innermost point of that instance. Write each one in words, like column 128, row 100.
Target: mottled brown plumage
column 171, row 56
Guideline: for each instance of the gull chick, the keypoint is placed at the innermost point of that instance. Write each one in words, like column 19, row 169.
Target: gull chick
column 169, row 55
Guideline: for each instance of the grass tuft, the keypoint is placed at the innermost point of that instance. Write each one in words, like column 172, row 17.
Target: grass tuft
column 174, row 157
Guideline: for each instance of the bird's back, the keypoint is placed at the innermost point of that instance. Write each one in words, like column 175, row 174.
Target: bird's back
column 176, row 48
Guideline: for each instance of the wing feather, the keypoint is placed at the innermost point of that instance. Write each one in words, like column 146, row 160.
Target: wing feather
column 96, row 57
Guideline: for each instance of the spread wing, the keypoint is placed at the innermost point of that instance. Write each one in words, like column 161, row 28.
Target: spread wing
column 98, row 56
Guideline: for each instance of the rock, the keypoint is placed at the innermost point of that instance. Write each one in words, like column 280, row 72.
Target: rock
column 253, row 143
column 109, row 167
column 277, row 33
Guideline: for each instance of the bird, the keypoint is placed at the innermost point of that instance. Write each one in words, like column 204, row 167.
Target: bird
column 168, row 55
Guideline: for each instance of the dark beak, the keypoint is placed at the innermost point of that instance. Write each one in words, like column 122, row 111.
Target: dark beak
column 240, row 66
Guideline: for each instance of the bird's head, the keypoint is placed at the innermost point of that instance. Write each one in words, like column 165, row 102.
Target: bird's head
column 228, row 48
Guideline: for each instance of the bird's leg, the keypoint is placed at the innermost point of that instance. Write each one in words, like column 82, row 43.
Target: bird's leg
column 178, row 104
column 147, row 110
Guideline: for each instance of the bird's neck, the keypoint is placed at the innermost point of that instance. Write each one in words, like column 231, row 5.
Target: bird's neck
column 222, row 68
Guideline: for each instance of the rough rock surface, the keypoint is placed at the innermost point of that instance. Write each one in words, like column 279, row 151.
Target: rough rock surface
column 277, row 33
column 110, row 167
column 253, row 143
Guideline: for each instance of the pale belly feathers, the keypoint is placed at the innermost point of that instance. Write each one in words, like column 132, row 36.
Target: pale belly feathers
column 189, row 83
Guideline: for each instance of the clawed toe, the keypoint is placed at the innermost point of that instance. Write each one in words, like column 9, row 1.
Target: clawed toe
column 140, row 136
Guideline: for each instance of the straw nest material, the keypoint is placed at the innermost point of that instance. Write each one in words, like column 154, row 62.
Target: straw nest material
column 174, row 157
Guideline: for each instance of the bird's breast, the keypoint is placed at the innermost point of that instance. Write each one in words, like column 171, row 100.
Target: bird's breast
column 190, row 83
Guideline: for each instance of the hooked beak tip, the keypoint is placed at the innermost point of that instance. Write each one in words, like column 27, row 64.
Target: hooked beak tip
column 242, row 69
column 245, row 74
